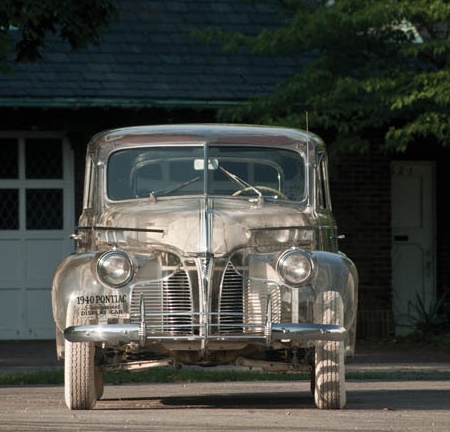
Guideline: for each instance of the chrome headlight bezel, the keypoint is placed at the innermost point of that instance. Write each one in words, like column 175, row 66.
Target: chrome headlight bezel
column 114, row 268
column 295, row 267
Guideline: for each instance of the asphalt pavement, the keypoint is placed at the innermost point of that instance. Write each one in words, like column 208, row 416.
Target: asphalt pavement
column 23, row 356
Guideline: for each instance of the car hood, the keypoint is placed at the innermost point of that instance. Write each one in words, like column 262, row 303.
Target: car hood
column 200, row 225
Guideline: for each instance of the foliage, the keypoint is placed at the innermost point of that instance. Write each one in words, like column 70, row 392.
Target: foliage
column 26, row 24
column 38, row 377
column 376, row 71
column 428, row 319
column 188, row 375
column 199, row 374
column 154, row 375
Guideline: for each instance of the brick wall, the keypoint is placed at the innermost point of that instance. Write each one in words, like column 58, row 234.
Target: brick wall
column 360, row 188
column 442, row 221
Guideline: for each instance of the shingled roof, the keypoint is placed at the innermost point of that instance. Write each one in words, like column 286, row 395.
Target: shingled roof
column 148, row 58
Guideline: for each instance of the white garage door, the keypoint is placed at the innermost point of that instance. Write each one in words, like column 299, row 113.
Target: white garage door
column 36, row 219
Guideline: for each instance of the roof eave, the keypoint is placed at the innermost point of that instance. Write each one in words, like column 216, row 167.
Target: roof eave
column 108, row 103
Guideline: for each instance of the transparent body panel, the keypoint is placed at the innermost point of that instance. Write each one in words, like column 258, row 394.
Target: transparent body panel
column 206, row 244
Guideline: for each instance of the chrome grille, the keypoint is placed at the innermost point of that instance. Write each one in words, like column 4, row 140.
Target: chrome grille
column 168, row 305
column 231, row 301
column 172, row 305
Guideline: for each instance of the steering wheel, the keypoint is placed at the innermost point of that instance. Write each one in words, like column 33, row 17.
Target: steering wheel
column 258, row 188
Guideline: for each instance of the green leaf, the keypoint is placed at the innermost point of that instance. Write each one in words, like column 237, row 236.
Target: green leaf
column 373, row 72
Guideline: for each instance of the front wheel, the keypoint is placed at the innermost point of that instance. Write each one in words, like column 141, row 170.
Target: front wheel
column 79, row 372
column 329, row 362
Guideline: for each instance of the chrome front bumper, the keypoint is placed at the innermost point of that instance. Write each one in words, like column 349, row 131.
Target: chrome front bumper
column 274, row 332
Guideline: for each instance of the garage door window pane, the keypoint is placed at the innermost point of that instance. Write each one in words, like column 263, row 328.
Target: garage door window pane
column 9, row 209
column 43, row 159
column 9, row 157
column 44, row 209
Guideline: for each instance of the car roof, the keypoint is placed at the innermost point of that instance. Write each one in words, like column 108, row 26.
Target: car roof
column 105, row 142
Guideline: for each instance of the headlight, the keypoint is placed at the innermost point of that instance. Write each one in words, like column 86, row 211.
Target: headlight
column 114, row 268
column 295, row 267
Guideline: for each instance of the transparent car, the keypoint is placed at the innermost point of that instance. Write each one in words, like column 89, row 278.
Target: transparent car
column 205, row 245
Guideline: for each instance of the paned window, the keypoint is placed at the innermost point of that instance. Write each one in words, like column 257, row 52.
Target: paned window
column 44, row 209
column 9, row 209
column 9, row 159
column 31, row 194
column 43, row 159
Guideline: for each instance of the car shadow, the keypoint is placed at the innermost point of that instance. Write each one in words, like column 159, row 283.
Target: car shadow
column 388, row 400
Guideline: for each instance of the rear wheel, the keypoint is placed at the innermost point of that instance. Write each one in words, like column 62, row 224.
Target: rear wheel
column 329, row 366
column 79, row 371
column 312, row 381
column 99, row 382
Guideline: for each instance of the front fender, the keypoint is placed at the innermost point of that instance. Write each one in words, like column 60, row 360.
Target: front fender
column 76, row 285
column 336, row 272
column 72, row 276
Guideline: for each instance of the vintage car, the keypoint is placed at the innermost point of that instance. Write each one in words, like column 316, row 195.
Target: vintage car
column 205, row 245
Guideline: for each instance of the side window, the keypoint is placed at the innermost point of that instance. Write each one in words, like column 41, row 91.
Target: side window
column 323, row 193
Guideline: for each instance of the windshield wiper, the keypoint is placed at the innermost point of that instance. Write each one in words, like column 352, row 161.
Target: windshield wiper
column 241, row 182
column 166, row 191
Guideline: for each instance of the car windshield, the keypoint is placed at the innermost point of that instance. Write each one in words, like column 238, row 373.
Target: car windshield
column 215, row 170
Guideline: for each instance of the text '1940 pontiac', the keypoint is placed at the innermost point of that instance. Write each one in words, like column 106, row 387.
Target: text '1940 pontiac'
column 205, row 245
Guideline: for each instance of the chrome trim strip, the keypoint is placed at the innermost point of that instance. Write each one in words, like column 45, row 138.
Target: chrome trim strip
column 306, row 331
column 103, row 333
column 137, row 333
